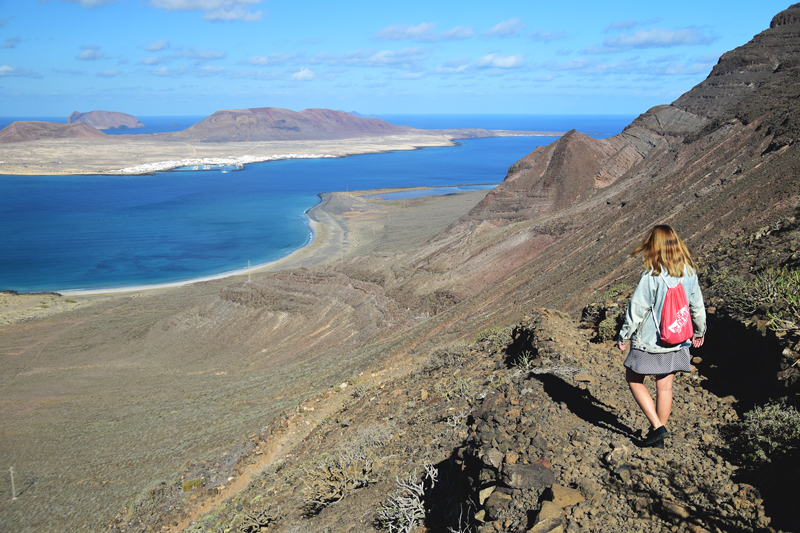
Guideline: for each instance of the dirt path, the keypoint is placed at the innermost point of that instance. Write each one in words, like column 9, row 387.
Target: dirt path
column 299, row 428
column 300, row 425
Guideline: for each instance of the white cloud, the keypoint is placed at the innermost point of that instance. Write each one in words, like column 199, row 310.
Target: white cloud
column 407, row 58
column 158, row 45
column 304, row 74
column 500, row 61
column 90, row 53
column 423, row 33
column 628, row 24
column 621, row 25
column 11, row 42
column 546, row 36
column 665, row 59
column 276, row 58
column 68, row 71
column 666, row 67
column 204, row 72
column 169, row 72
column 506, row 28
column 198, row 57
column 255, row 75
column 226, row 15
column 215, row 10
column 152, row 60
column 6, row 71
column 108, row 73
column 658, row 38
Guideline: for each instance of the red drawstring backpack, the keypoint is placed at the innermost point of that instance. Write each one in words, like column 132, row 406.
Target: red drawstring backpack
column 676, row 320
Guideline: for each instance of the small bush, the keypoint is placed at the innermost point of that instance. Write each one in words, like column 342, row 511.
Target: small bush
column 497, row 337
column 360, row 390
column 252, row 522
column 775, row 291
column 335, row 477
column 406, row 507
column 151, row 497
column 332, row 480
column 769, row 431
column 458, row 387
column 524, row 361
column 445, row 356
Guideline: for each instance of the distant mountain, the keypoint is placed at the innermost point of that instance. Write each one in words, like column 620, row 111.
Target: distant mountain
column 277, row 124
column 29, row 130
column 105, row 120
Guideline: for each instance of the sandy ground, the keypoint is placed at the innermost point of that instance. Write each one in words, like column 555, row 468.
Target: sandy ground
column 111, row 155
column 142, row 154
column 344, row 223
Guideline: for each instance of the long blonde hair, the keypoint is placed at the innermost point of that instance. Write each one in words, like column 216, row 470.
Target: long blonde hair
column 663, row 250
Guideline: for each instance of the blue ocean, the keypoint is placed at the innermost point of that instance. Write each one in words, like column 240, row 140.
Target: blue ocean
column 94, row 232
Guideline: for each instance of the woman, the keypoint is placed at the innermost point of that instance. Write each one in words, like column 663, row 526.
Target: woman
column 666, row 261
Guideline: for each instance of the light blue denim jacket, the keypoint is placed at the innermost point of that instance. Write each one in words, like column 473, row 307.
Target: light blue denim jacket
column 648, row 298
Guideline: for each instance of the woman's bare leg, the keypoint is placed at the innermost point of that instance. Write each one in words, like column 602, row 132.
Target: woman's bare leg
column 664, row 397
column 643, row 398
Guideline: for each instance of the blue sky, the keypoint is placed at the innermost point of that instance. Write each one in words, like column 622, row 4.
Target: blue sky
column 193, row 57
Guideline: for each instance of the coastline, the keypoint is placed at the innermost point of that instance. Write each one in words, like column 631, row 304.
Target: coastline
column 131, row 155
column 341, row 224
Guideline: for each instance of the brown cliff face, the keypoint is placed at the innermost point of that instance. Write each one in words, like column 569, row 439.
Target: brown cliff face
column 30, row 130
column 105, row 120
column 276, row 124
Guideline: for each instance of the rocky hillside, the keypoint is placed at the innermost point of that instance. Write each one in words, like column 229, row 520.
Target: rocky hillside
column 277, row 124
column 30, row 130
column 529, row 428
column 549, row 444
column 105, row 120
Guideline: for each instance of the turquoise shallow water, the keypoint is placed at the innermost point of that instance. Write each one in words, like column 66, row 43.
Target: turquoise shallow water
column 92, row 232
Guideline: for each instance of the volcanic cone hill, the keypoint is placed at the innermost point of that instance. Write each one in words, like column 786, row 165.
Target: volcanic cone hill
column 32, row 130
column 105, row 120
column 447, row 355
column 277, row 124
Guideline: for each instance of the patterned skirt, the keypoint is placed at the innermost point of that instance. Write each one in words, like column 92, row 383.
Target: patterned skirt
column 659, row 364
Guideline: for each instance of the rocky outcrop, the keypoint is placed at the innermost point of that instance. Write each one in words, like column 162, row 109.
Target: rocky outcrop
column 757, row 82
column 105, row 120
column 29, row 130
column 277, row 124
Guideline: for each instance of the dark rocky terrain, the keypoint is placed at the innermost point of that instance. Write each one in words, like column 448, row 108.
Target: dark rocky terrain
column 105, row 120
column 31, row 130
column 454, row 359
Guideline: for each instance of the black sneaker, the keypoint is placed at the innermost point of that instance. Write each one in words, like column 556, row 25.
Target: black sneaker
column 655, row 436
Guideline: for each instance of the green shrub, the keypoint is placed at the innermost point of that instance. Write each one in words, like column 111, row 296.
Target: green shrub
column 769, row 431
column 445, row 356
column 525, row 360
column 497, row 337
column 774, row 291
column 458, row 387
column 404, row 509
column 331, row 480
